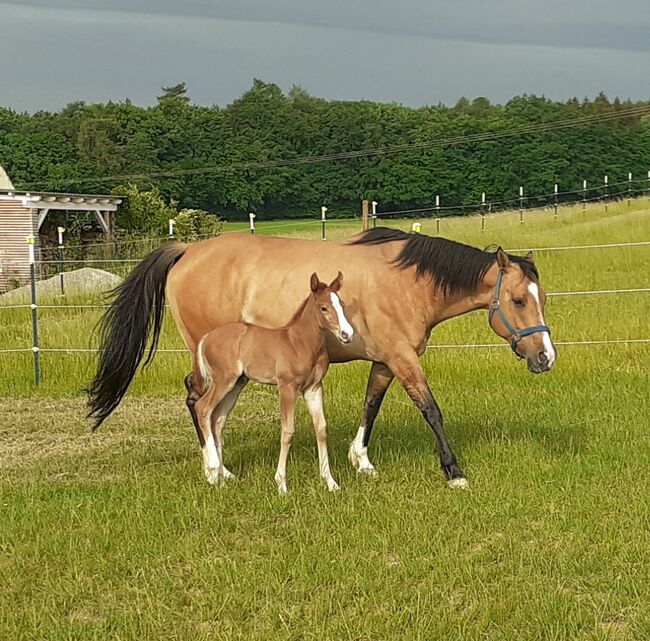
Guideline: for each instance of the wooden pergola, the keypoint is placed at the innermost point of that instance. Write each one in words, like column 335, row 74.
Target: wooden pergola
column 22, row 214
column 43, row 203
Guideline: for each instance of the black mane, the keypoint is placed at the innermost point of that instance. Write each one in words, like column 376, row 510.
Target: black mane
column 455, row 267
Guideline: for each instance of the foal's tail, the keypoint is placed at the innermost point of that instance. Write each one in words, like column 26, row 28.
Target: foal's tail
column 138, row 302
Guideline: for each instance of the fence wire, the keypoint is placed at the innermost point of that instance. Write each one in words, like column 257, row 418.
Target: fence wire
column 451, row 346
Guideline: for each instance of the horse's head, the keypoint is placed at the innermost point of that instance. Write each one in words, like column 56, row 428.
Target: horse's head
column 330, row 308
column 517, row 311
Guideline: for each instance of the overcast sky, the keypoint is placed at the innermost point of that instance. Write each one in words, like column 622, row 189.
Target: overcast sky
column 411, row 51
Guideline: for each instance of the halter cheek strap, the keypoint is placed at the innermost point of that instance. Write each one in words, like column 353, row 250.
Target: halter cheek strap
column 515, row 334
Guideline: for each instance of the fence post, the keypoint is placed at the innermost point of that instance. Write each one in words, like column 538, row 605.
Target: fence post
column 437, row 215
column 172, row 228
column 364, row 214
column 521, row 204
column 323, row 211
column 584, row 194
column 629, row 188
column 483, row 211
column 251, row 222
column 606, row 191
column 555, row 201
column 374, row 213
column 60, row 231
column 32, row 280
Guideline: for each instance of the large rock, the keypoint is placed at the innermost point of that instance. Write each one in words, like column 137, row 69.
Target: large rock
column 81, row 281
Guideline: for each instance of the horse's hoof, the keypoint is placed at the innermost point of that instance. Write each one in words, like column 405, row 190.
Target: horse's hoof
column 459, row 483
column 368, row 470
column 213, row 476
column 333, row 486
column 353, row 458
column 228, row 475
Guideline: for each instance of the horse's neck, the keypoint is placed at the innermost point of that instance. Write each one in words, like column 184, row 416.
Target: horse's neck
column 305, row 330
column 446, row 307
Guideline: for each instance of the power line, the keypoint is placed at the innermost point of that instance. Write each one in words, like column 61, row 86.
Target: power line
column 365, row 153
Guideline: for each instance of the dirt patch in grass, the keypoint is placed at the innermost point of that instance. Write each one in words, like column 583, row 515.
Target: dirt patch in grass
column 29, row 440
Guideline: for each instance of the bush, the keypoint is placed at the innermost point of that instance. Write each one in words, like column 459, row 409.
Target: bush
column 193, row 224
column 143, row 211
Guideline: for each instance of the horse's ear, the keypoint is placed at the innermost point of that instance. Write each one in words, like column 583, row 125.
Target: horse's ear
column 530, row 257
column 314, row 282
column 335, row 285
column 502, row 260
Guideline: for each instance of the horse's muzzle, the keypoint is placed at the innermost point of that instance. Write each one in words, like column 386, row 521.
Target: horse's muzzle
column 539, row 364
column 345, row 338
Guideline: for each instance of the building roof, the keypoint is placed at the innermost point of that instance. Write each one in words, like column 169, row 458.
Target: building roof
column 5, row 181
column 54, row 198
column 48, row 198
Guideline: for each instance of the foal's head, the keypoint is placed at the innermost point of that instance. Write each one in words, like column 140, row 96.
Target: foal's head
column 517, row 311
column 329, row 308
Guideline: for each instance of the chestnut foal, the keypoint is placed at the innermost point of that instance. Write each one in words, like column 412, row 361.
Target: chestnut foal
column 293, row 357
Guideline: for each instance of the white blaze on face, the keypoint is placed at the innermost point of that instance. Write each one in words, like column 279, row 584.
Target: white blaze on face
column 344, row 324
column 549, row 350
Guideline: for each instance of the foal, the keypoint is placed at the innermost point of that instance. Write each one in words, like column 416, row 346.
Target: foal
column 293, row 357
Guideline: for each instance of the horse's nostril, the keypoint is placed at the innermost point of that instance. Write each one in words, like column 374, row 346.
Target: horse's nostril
column 543, row 359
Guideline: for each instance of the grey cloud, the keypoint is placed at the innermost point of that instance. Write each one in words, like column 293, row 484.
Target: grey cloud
column 581, row 23
column 52, row 57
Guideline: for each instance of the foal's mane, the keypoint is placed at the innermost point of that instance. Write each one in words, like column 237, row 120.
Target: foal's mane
column 455, row 267
column 298, row 312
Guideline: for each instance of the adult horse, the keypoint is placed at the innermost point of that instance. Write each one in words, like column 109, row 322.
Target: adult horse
column 398, row 287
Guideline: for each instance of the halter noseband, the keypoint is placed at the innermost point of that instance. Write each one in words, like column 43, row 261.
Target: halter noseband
column 516, row 334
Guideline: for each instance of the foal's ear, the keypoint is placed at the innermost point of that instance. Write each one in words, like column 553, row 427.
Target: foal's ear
column 335, row 285
column 530, row 257
column 314, row 282
column 502, row 260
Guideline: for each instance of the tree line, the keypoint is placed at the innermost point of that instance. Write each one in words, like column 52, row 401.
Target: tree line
column 41, row 151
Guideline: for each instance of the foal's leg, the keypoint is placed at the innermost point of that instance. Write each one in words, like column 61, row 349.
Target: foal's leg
column 220, row 416
column 408, row 370
column 314, row 400
column 378, row 383
column 288, row 396
column 204, row 408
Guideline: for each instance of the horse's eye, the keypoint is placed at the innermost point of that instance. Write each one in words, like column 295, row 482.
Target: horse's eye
column 323, row 309
column 519, row 302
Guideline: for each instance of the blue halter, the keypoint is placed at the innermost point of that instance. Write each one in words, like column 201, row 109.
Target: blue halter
column 516, row 334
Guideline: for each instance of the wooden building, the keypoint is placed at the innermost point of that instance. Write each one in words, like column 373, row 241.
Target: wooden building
column 22, row 214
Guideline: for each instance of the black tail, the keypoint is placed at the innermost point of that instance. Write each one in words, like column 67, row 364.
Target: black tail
column 124, row 330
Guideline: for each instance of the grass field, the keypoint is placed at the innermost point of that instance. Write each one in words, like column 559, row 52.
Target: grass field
column 116, row 534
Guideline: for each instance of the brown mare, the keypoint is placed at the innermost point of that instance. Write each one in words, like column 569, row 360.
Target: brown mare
column 293, row 357
column 398, row 287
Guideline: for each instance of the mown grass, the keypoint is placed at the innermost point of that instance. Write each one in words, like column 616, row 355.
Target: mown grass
column 116, row 534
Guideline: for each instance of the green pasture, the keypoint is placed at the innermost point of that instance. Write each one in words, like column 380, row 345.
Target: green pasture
column 116, row 535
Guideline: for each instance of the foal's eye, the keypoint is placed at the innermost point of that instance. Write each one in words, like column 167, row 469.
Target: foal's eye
column 323, row 309
column 519, row 302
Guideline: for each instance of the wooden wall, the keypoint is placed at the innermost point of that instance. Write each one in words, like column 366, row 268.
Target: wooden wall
column 16, row 223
